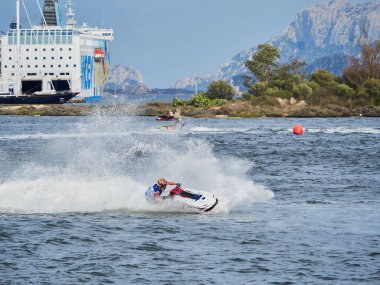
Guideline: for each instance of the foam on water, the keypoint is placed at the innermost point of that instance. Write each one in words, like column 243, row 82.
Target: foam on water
column 200, row 129
column 344, row 130
column 107, row 164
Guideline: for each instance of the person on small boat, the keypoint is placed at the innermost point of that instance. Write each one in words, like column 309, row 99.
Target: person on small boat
column 169, row 116
column 154, row 192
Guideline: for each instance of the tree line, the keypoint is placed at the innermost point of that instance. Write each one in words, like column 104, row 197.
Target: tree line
column 359, row 85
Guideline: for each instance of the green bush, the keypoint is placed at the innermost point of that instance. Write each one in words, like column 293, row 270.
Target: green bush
column 342, row 90
column 284, row 94
column 266, row 101
column 259, row 88
column 200, row 100
column 220, row 90
column 177, row 102
column 302, row 91
column 246, row 96
column 372, row 88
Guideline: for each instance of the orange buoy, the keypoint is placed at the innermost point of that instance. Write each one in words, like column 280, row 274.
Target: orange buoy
column 298, row 130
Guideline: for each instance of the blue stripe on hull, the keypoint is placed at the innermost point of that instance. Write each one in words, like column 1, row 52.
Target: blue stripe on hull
column 93, row 99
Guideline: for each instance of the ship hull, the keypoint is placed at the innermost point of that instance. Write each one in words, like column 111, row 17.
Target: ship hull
column 58, row 98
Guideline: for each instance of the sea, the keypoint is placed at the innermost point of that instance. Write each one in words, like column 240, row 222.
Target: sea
column 292, row 209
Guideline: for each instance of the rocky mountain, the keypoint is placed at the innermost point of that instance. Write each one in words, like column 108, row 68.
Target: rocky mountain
column 324, row 36
column 125, row 80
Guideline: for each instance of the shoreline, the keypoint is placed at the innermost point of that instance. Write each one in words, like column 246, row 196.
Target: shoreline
column 237, row 109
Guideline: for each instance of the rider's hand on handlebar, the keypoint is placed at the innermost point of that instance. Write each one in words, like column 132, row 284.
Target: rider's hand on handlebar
column 179, row 184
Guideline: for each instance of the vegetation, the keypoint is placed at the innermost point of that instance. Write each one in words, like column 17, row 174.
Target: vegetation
column 359, row 85
column 220, row 90
column 200, row 100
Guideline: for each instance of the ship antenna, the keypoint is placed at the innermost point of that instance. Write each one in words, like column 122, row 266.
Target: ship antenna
column 18, row 85
column 70, row 14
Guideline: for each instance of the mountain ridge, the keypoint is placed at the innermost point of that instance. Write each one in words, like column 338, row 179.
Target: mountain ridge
column 324, row 35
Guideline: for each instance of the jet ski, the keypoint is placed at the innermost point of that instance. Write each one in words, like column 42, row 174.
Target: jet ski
column 165, row 118
column 201, row 201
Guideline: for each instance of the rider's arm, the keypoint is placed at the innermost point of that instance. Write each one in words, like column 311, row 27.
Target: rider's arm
column 171, row 183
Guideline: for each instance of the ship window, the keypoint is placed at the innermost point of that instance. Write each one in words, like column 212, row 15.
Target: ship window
column 27, row 58
column 51, row 73
column 27, row 49
column 39, row 39
column 69, row 49
column 44, row 66
column 44, row 58
column 5, row 66
column 10, row 58
column 28, row 66
column 67, row 65
column 13, row 66
column 13, row 74
column 60, row 57
column 35, row 49
column 44, row 49
column 67, row 73
column 36, row 58
column 61, row 49
column 10, row 49
column 52, row 57
column 59, row 65
column 45, row 73
column 51, row 66
column 52, row 49
column 69, row 57
column 36, row 66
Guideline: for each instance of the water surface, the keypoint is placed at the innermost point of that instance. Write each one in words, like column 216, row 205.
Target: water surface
column 293, row 209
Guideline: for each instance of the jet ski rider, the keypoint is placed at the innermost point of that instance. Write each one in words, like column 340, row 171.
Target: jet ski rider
column 154, row 192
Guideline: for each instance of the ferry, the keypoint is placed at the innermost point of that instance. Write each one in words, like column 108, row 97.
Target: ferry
column 53, row 62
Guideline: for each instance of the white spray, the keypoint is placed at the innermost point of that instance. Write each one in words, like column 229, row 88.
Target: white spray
column 107, row 163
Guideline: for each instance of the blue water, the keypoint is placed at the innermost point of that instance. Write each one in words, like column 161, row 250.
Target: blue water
column 293, row 209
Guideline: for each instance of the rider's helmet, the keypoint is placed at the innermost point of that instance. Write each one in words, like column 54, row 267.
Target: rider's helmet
column 162, row 182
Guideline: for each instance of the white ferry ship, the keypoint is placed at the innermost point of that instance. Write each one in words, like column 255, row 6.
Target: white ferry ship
column 53, row 62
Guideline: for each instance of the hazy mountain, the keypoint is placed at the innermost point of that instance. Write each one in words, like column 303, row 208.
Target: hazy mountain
column 323, row 35
column 125, row 80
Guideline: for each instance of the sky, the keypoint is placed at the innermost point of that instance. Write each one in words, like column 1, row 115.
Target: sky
column 167, row 40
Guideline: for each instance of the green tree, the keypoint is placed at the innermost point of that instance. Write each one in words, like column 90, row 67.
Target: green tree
column 322, row 77
column 263, row 63
column 220, row 90
column 371, row 90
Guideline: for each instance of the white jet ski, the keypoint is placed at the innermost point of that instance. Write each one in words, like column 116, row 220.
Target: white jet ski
column 200, row 200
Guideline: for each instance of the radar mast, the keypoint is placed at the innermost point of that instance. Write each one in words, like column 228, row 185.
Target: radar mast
column 70, row 14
